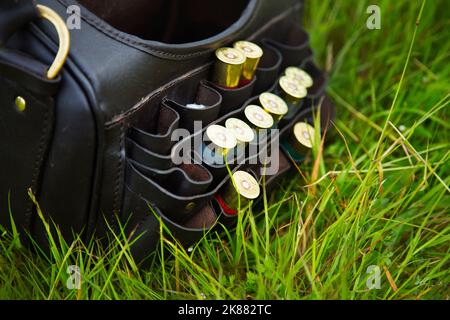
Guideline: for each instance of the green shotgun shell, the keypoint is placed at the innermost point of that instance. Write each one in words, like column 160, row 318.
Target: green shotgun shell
column 258, row 118
column 242, row 131
column 245, row 186
column 292, row 90
column 228, row 67
column 222, row 139
column 253, row 54
column 274, row 105
column 302, row 138
column 300, row 75
column 244, row 135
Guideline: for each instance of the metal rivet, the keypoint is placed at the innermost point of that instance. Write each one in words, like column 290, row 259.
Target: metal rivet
column 21, row 104
column 190, row 206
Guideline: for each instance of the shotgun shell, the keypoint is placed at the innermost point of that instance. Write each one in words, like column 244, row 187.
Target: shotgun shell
column 292, row 90
column 244, row 135
column 258, row 118
column 253, row 54
column 301, row 76
column 241, row 130
column 245, row 188
column 303, row 137
column 228, row 67
column 222, row 140
column 274, row 105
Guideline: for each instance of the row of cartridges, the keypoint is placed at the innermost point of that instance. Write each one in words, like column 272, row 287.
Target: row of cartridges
column 235, row 67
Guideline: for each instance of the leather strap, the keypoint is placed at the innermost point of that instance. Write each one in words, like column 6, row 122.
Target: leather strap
column 145, row 235
column 24, row 139
column 178, row 208
column 206, row 96
column 294, row 45
column 186, row 180
column 14, row 14
column 27, row 71
column 147, row 157
column 160, row 139
column 269, row 68
column 235, row 97
column 15, row 65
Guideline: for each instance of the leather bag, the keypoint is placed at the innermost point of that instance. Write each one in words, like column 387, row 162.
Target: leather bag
column 93, row 141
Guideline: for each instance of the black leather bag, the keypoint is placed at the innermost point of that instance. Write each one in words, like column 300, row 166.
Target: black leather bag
column 94, row 143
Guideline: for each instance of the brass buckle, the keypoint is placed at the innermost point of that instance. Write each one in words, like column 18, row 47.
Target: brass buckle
column 64, row 39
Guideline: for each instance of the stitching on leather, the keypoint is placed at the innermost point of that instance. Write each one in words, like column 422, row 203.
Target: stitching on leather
column 118, row 118
column 37, row 165
column 119, row 171
column 120, row 36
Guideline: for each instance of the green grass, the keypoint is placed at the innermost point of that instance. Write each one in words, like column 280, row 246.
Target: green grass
column 378, row 195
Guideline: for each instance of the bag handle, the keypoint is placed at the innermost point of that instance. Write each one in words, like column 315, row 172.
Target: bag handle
column 63, row 36
column 15, row 14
